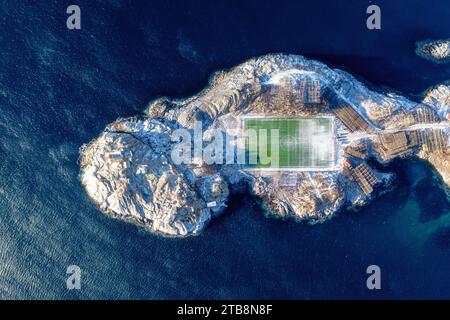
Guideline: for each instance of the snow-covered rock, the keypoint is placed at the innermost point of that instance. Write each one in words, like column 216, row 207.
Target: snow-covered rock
column 129, row 170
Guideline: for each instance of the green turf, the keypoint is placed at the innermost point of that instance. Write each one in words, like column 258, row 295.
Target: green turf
column 302, row 143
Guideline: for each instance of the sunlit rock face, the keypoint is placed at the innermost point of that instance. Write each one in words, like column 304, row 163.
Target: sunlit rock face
column 130, row 170
column 434, row 50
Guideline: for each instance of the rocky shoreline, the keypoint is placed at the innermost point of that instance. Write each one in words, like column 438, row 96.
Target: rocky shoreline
column 129, row 169
column 434, row 50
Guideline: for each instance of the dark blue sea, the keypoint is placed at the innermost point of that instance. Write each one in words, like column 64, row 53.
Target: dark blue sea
column 60, row 88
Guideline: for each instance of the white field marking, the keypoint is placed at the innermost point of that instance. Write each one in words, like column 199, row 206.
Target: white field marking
column 334, row 167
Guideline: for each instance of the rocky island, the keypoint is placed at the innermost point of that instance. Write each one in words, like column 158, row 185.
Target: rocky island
column 173, row 168
column 434, row 50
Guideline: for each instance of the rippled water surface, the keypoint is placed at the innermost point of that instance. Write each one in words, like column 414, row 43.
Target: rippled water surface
column 60, row 88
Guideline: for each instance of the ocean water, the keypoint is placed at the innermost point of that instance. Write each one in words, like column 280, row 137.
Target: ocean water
column 60, row 88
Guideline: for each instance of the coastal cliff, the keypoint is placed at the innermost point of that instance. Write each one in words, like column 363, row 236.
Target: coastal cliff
column 130, row 171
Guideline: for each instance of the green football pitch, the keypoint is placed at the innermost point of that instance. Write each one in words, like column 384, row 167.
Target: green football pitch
column 305, row 143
